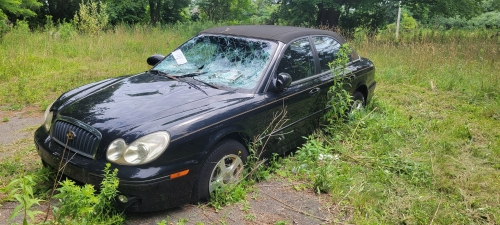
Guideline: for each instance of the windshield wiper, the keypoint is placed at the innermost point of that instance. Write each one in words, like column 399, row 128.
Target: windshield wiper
column 195, row 87
column 177, row 79
column 158, row 72
column 208, row 84
column 197, row 74
column 191, row 74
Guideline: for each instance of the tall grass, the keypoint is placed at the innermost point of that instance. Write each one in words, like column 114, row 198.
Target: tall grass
column 461, row 61
column 36, row 67
column 429, row 151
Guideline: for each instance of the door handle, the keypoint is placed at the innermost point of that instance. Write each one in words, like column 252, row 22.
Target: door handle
column 314, row 91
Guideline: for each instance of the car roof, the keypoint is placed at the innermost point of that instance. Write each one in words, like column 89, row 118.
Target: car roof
column 284, row 34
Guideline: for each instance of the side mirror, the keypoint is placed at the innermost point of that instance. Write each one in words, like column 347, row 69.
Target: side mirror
column 282, row 81
column 154, row 59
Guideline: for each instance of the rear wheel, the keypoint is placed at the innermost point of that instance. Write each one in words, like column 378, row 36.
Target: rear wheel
column 222, row 167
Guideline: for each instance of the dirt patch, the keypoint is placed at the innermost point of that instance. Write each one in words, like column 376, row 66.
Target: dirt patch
column 15, row 128
column 271, row 202
column 14, row 124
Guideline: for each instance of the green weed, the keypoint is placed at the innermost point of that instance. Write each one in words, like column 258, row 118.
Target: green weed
column 92, row 17
column 249, row 217
column 21, row 189
column 281, row 222
column 81, row 205
column 228, row 194
column 339, row 99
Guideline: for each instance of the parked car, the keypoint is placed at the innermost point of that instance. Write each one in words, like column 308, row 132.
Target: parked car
column 180, row 130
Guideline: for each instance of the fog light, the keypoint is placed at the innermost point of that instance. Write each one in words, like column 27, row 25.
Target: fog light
column 122, row 198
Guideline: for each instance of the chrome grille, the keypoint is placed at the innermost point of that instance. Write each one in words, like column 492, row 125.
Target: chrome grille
column 84, row 142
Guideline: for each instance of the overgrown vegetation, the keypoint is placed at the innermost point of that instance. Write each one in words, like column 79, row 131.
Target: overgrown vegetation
column 77, row 204
column 21, row 189
column 426, row 150
column 81, row 205
column 92, row 17
column 339, row 99
column 35, row 71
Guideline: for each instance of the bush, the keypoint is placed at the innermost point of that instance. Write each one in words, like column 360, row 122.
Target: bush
column 487, row 20
column 67, row 30
column 92, row 17
column 3, row 25
column 80, row 205
column 408, row 22
column 22, row 27
column 490, row 20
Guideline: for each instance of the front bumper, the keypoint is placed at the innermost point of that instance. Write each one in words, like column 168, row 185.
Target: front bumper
column 148, row 189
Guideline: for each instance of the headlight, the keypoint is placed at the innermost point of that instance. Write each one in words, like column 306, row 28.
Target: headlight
column 143, row 150
column 47, row 116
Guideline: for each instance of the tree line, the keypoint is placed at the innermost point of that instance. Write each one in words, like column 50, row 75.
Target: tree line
column 372, row 14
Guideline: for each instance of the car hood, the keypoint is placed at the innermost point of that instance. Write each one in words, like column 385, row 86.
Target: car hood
column 122, row 104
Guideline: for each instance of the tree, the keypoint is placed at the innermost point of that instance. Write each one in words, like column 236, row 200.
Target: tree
column 62, row 10
column 13, row 10
column 166, row 10
column 496, row 4
column 332, row 12
column 491, row 5
column 92, row 17
column 216, row 10
column 447, row 8
column 263, row 10
column 174, row 11
column 223, row 10
column 321, row 12
column 126, row 11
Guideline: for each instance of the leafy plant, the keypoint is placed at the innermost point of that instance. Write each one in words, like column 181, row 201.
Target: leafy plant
column 21, row 189
column 339, row 99
column 81, row 205
column 92, row 17
column 408, row 22
column 67, row 30
column 228, row 194
column 281, row 222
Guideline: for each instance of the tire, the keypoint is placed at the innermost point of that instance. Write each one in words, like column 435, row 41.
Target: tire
column 223, row 166
column 358, row 101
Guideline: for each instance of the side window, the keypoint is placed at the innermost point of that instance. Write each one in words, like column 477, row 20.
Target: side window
column 327, row 49
column 298, row 60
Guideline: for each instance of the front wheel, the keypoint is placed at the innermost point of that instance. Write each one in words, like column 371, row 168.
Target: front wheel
column 222, row 167
column 358, row 101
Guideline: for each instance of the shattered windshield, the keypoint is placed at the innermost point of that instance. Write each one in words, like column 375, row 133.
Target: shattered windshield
column 234, row 62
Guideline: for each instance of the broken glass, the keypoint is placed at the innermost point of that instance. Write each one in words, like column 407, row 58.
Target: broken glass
column 234, row 62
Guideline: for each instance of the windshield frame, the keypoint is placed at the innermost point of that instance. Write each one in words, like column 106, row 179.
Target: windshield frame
column 260, row 75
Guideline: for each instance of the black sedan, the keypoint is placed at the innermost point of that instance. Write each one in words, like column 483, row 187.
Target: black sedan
column 181, row 129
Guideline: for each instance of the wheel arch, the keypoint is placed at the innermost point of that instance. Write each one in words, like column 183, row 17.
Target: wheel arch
column 363, row 89
column 219, row 138
column 234, row 133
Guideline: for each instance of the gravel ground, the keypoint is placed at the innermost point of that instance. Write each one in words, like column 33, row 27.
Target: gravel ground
column 14, row 129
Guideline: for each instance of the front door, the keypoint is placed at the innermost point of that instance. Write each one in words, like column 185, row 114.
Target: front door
column 300, row 100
